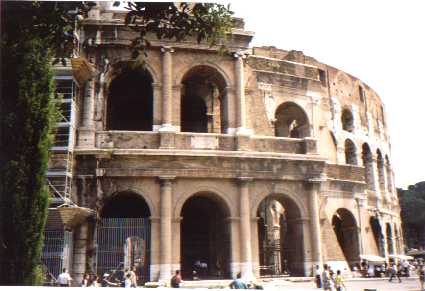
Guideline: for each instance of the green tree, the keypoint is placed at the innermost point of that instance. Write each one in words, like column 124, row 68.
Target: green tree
column 33, row 32
column 412, row 203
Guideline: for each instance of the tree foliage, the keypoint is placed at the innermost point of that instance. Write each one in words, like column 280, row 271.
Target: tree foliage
column 412, row 203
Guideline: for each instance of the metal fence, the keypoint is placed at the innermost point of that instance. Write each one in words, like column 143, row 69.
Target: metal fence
column 122, row 243
column 57, row 251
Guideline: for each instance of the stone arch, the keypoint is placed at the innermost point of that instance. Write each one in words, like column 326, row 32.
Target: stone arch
column 301, row 205
column 205, row 236
column 152, row 209
column 203, row 95
column 280, row 235
column 291, row 120
column 368, row 166
column 214, row 66
column 350, row 152
column 128, row 193
column 381, row 169
column 347, row 120
column 118, row 66
column 129, row 104
column 345, row 227
column 389, row 174
column 204, row 189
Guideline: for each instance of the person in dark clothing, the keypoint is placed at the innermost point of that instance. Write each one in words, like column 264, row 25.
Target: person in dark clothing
column 176, row 280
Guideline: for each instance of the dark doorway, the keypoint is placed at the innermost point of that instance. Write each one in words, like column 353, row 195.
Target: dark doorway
column 130, row 103
column 205, row 238
column 280, row 237
column 123, row 236
column 345, row 227
column 377, row 235
column 291, row 121
column 202, row 101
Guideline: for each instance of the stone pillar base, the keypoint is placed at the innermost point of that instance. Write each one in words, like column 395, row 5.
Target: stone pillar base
column 165, row 273
column 243, row 138
column 167, row 137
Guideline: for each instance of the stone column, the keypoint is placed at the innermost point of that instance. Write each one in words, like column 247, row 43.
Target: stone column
column 165, row 228
column 360, row 204
column 313, row 203
column 245, row 228
column 155, row 264
column 80, row 252
column 376, row 180
column 242, row 131
column 167, row 130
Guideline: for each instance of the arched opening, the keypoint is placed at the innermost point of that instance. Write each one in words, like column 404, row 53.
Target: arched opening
column 396, row 239
column 381, row 170
column 377, row 235
column 350, row 153
column 130, row 102
column 389, row 233
column 280, row 236
column 202, row 101
column 291, row 121
column 347, row 120
column 368, row 166
column 123, row 236
column 389, row 174
column 205, row 238
column 345, row 227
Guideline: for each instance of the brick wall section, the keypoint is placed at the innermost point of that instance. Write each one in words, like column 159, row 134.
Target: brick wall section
column 345, row 172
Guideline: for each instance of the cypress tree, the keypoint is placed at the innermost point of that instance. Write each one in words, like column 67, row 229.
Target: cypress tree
column 27, row 113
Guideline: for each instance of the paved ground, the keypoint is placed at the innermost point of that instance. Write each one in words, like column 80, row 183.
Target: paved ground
column 410, row 284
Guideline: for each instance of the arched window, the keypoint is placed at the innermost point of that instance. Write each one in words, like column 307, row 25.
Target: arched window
column 291, row 121
column 130, row 102
column 381, row 170
column 350, row 153
column 202, row 101
column 347, row 120
column 368, row 166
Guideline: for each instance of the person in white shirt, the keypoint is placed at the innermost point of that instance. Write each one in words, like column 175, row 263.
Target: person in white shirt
column 64, row 279
column 127, row 281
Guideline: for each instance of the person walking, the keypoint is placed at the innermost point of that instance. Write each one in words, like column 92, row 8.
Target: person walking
column 317, row 276
column 64, row 279
column 176, row 280
column 394, row 273
column 421, row 274
column 339, row 281
column 133, row 277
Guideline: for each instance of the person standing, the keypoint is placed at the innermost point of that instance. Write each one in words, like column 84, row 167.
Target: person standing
column 326, row 278
column 317, row 276
column 421, row 275
column 64, row 279
column 133, row 277
column 339, row 281
column 86, row 280
column 176, row 280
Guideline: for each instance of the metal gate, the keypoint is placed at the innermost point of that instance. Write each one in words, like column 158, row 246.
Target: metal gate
column 122, row 243
column 57, row 250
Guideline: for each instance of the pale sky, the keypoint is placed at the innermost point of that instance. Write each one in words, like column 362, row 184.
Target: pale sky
column 380, row 42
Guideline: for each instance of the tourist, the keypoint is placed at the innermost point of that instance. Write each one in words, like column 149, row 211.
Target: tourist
column 238, row 283
column 64, row 279
column 86, row 280
column 406, row 268
column 127, row 280
column 95, row 282
column 176, row 280
column 326, row 278
column 393, row 272
column 339, row 281
column 133, row 277
column 421, row 274
column 317, row 276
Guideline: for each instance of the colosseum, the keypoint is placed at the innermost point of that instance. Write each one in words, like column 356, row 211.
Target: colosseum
column 259, row 160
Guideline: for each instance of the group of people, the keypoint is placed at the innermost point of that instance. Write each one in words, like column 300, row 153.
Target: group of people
column 128, row 279
column 328, row 280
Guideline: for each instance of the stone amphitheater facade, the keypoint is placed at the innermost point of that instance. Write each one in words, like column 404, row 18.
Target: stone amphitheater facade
column 198, row 140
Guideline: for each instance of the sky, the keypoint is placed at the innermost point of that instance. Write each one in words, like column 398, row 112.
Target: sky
column 380, row 42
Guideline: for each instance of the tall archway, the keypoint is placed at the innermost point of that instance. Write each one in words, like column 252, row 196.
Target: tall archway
column 347, row 120
column 130, row 101
column 123, row 235
column 205, row 237
column 280, row 236
column 390, row 244
column 377, row 235
column 345, row 227
column 350, row 152
column 202, row 101
column 381, row 170
column 291, row 121
column 368, row 166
